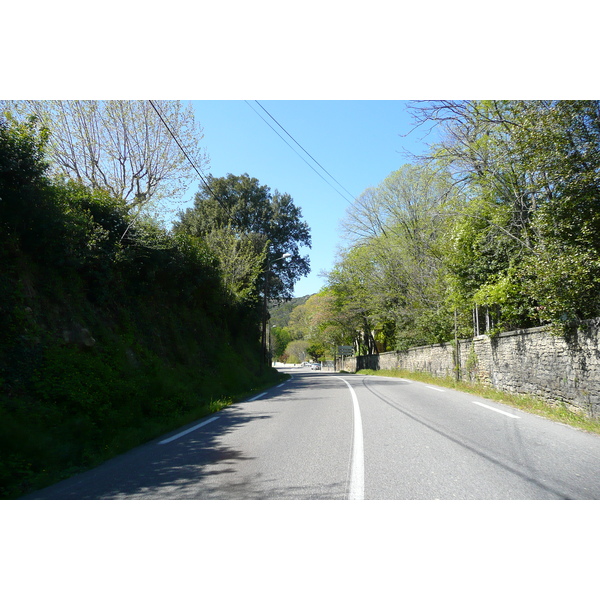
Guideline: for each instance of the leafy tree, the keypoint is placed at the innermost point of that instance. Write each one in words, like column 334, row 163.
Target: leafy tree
column 299, row 323
column 297, row 351
column 281, row 311
column 121, row 146
column 486, row 269
column 241, row 261
column 23, row 151
column 281, row 337
column 31, row 214
column 351, row 284
column 529, row 171
column 317, row 351
column 248, row 210
column 560, row 145
column 398, row 233
column 316, row 322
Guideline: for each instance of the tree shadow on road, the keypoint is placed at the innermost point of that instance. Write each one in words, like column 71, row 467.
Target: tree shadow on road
column 184, row 468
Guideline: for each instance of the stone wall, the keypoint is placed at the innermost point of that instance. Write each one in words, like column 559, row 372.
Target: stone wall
column 528, row 361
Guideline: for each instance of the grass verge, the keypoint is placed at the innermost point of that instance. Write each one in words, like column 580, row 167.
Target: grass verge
column 51, row 449
column 557, row 411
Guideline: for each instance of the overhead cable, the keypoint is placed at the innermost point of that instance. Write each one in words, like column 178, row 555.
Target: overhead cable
column 314, row 159
column 317, row 172
column 186, row 154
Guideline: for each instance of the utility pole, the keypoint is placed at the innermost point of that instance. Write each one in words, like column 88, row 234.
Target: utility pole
column 263, row 342
column 456, row 348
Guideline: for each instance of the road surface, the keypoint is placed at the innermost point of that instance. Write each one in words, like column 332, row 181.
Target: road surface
column 333, row 436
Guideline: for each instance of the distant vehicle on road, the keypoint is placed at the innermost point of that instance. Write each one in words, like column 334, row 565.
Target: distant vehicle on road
column 315, row 367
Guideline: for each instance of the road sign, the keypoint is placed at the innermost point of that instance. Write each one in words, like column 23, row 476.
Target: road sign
column 345, row 350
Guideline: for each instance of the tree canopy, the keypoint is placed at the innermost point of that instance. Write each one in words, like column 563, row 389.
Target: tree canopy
column 531, row 180
column 265, row 224
column 497, row 227
column 120, row 146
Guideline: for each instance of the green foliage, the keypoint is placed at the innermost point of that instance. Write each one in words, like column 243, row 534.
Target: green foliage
column 317, row 323
column 280, row 311
column 281, row 337
column 562, row 145
column 256, row 219
column 297, row 351
column 112, row 330
column 25, row 208
column 525, row 243
column 241, row 262
column 566, row 283
column 120, row 146
column 309, row 320
column 390, row 284
column 317, row 351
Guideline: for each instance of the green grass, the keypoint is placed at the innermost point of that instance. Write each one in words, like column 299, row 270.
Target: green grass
column 43, row 444
column 557, row 411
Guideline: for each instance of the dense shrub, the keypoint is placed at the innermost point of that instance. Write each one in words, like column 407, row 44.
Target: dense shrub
column 112, row 329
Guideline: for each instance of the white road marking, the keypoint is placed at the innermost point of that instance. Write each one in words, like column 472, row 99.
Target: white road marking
column 257, row 397
column 282, row 384
column 357, row 468
column 497, row 410
column 434, row 388
column 174, row 437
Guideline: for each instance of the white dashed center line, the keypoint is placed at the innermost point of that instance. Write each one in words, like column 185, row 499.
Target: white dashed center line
column 497, row 410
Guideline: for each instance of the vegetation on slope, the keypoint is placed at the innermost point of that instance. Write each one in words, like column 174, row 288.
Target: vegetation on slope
column 112, row 330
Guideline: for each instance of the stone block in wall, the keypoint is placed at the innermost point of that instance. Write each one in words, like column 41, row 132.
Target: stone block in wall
column 527, row 361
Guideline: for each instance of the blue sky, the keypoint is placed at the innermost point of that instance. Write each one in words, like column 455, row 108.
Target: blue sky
column 358, row 142
column 326, row 51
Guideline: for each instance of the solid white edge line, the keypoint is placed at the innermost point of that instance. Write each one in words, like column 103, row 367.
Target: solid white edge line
column 357, row 468
column 178, row 435
column 497, row 410
column 434, row 388
column 174, row 437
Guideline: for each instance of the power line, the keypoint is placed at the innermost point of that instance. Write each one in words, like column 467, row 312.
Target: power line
column 319, row 174
column 286, row 142
column 227, row 209
column 186, row 154
column 314, row 159
column 206, row 184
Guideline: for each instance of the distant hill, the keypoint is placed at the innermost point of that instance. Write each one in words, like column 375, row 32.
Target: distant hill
column 280, row 313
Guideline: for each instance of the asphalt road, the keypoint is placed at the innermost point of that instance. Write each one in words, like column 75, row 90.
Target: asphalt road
column 337, row 436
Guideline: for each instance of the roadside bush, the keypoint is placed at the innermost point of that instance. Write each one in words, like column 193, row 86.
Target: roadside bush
column 164, row 345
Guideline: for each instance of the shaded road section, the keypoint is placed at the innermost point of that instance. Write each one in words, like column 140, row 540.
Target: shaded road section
column 332, row 436
column 293, row 442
